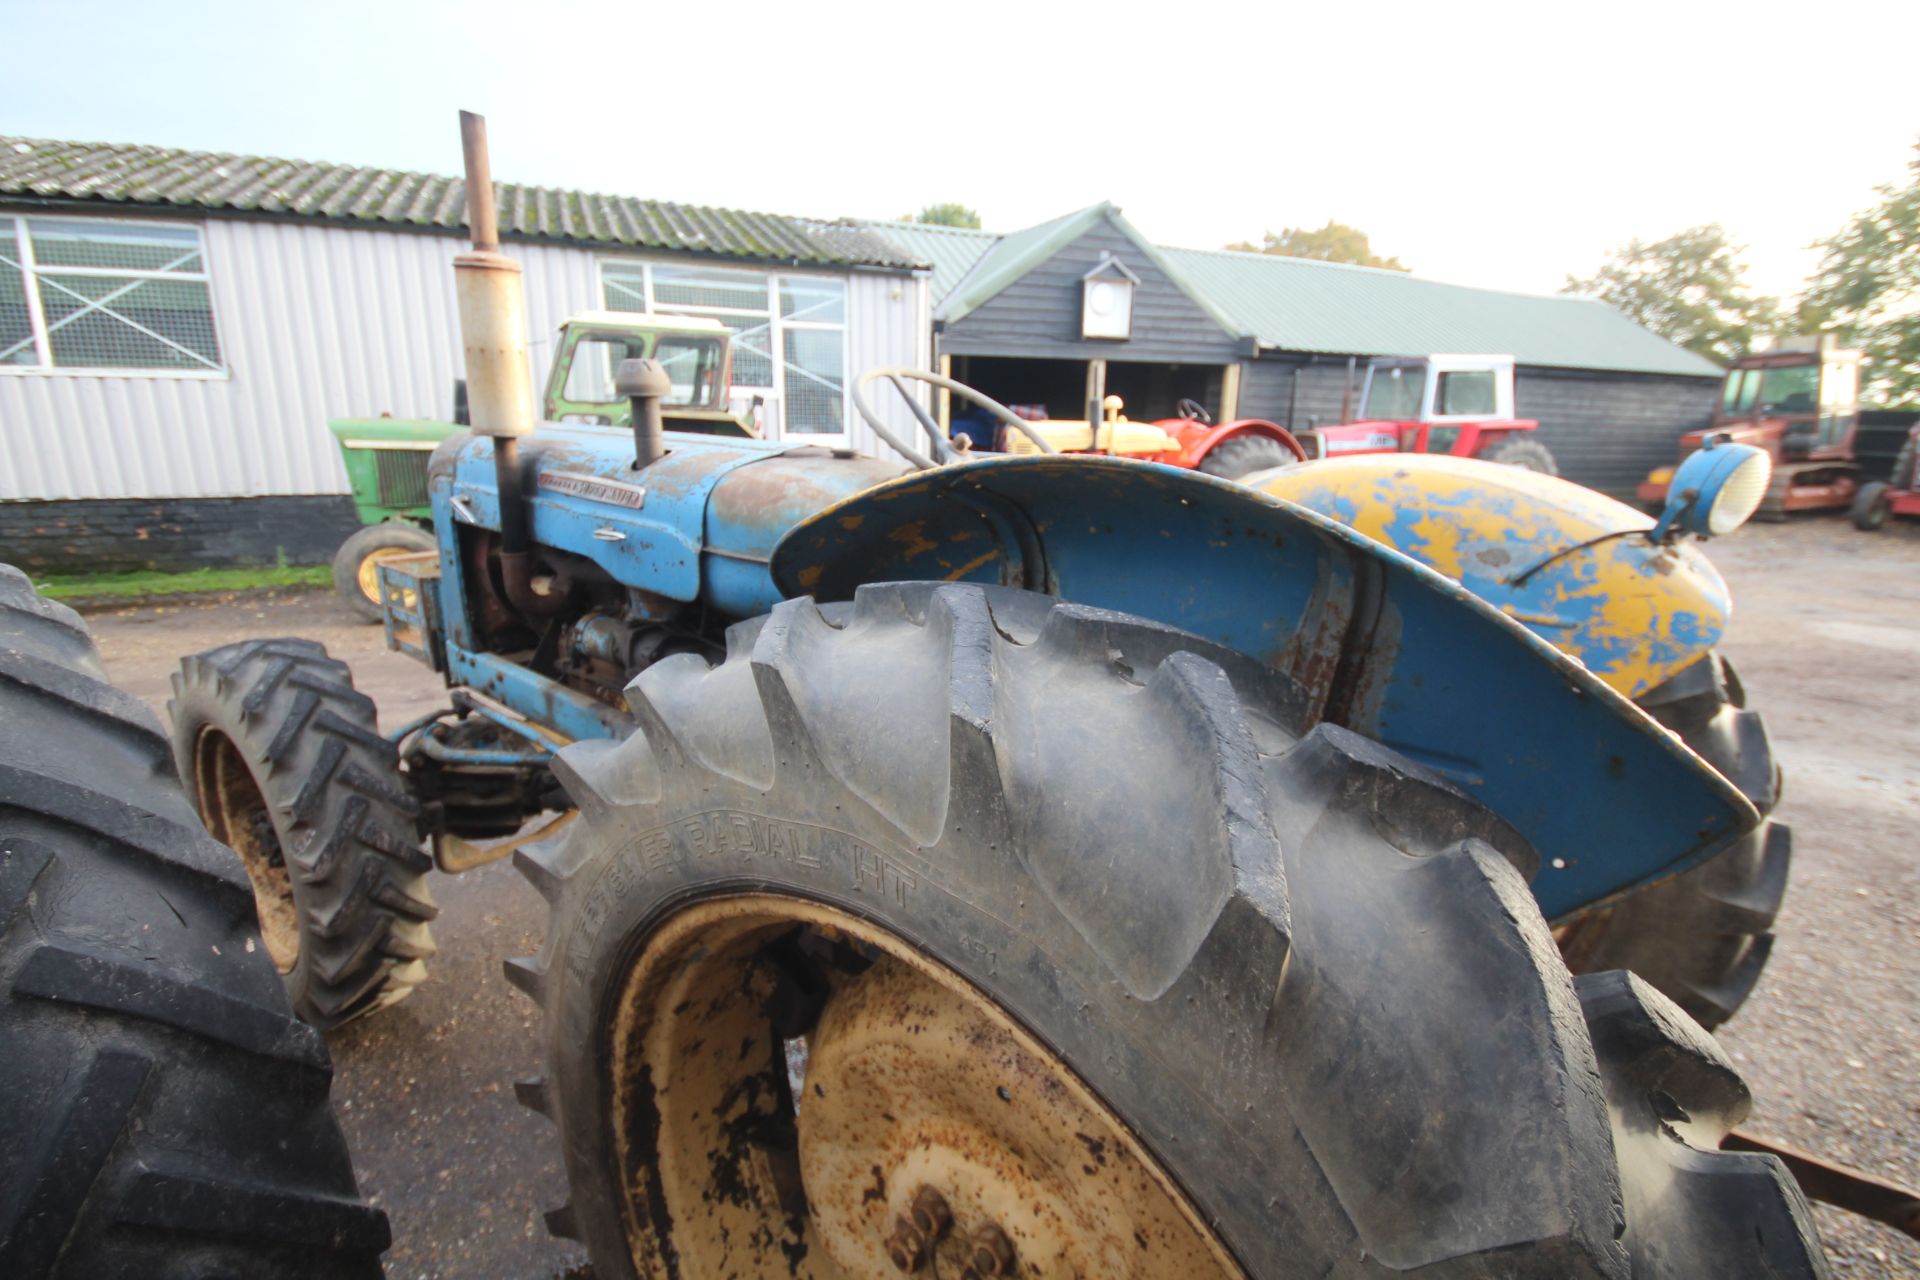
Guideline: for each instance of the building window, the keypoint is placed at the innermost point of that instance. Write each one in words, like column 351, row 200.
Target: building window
column 105, row 296
column 789, row 334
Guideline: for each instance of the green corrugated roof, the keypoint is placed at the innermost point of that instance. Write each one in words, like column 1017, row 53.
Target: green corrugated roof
column 1015, row 254
column 163, row 177
column 1298, row 305
column 952, row 251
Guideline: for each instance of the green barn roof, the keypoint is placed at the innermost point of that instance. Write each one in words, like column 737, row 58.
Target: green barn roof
column 143, row 177
column 1293, row 304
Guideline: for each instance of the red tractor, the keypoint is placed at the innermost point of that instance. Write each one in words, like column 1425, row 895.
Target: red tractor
column 1454, row 404
column 1801, row 403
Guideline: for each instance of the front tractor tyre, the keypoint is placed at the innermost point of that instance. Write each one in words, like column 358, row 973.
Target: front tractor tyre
column 162, row 1114
column 1871, row 506
column 356, row 565
column 286, row 766
column 1521, row 451
column 962, row 931
column 1704, row 936
column 1239, row 456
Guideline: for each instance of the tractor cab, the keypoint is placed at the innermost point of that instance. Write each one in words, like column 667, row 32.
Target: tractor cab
column 1801, row 403
column 1453, row 404
column 1806, row 396
column 695, row 353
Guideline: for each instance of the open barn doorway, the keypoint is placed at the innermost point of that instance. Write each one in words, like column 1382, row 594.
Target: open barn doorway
column 1058, row 389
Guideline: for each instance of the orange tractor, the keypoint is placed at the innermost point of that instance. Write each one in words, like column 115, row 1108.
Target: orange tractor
column 1799, row 402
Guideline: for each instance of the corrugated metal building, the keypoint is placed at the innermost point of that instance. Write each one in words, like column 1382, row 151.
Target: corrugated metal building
column 1260, row 336
column 175, row 327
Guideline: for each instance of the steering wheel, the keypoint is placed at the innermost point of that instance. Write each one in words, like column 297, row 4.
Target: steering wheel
column 1195, row 410
column 943, row 449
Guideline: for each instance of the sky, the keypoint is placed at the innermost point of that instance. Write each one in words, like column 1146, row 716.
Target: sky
column 1495, row 144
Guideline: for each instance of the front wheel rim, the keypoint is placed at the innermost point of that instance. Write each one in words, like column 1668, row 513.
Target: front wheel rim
column 932, row 1134
column 237, row 814
column 367, row 576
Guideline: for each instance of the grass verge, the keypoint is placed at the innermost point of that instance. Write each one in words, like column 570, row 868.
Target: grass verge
column 101, row 586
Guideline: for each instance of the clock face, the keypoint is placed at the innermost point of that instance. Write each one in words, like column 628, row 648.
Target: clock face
column 1106, row 308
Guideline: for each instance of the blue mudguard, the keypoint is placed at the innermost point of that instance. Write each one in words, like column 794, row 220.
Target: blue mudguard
column 1372, row 640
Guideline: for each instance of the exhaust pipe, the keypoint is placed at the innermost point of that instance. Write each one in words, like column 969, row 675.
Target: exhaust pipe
column 493, row 337
column 645, row 383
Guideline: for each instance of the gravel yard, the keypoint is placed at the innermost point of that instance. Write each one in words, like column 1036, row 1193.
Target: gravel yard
column 1827, row 641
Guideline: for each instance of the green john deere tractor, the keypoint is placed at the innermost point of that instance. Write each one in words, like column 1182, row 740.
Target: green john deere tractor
column 386, row 457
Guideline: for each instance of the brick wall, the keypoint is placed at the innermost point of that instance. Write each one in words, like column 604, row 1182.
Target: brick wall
column 119, row 534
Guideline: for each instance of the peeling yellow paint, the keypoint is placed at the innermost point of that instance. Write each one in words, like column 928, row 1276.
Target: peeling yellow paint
column 973, row 564
column 1634, row 614
column 913, row 539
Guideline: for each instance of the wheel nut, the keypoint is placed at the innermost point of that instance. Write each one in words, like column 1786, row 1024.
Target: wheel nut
column 992, row 1251
column 906, row 1247
column 931, row 1214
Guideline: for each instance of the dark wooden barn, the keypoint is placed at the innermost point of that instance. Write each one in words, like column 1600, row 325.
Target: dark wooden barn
column 1250, row 335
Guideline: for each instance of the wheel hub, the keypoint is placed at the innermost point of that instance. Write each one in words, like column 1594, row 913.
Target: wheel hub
column 237, row 815
column 367, row 577
column 929, row 1134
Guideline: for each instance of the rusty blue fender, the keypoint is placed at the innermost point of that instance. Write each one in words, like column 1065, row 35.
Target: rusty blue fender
column 1371, row 640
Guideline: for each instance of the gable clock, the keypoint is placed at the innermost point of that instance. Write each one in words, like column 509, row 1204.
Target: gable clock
column 1106, row 299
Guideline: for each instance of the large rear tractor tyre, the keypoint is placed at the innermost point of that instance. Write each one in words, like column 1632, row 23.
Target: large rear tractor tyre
column 162, row 1114
column 287, row 767
column 1702, row 937
column 1239, row 456
column 1523, row 452
column 356, row 563
column 960, row 931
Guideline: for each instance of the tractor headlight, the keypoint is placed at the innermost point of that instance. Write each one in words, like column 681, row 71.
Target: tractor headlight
column 1715, row 491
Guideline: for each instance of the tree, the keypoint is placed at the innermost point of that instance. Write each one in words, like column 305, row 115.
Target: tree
column 1689, row 288
column 1335, row 242
column 949, row 214
column 1867, row 289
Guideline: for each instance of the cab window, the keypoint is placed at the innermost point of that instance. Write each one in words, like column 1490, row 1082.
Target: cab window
column 1463, row 393
column 595, row 357
column 1743, row 387
column 693, row 364
column 1793, row 389
column 1393, row 393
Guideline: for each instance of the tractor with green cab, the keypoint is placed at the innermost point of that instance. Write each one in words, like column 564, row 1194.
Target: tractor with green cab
column 386, row 457
column 1026, row 865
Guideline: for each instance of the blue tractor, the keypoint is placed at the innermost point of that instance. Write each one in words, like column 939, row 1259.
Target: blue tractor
column 1037, row 865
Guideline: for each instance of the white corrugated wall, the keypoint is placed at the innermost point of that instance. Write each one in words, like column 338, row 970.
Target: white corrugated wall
column 318, row 322
column 889, row 325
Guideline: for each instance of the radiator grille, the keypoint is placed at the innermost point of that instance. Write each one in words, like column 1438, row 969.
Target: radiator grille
column 403, row 476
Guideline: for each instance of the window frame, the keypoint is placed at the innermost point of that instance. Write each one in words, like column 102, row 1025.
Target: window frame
column 777, row 326
column 31, row 270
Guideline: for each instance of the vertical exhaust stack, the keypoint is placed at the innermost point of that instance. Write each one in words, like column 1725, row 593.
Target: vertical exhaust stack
column 493, row 307
column 493, row 335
